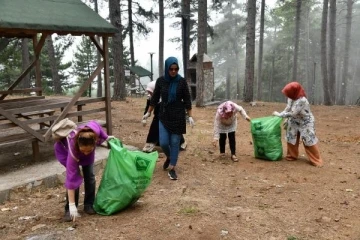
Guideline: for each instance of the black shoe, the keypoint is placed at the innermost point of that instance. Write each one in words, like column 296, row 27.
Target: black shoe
column 89, row 210
column 67, row 217
column 166, row 163
column 172, row 174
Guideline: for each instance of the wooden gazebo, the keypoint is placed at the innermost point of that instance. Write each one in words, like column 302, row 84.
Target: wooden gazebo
column 37, row 19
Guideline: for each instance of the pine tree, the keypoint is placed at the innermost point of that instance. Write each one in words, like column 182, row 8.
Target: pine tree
column 85, row 61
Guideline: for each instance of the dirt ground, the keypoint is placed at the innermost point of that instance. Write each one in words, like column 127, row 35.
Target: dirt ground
column 216, row 198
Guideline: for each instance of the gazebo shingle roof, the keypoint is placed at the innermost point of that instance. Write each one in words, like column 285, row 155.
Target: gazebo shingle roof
column 22, row 18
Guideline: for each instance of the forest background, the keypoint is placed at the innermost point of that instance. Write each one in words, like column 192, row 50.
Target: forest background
column 256, row 47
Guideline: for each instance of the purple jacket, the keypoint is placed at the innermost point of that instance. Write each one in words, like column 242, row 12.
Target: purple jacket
column 73, row 177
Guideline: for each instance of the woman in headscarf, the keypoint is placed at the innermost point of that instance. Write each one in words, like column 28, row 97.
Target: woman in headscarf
column 152, row 138
column 300, row 125
column 174, row 93
column 225, row 125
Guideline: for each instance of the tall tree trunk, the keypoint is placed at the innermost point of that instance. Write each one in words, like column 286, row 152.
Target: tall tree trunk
column 345, row 72
column 237, row 60
column 339, row 63
column 261, row 47
column 25, row 61
column 272, row 67
column 332, row 51
column 312, row 83
column 228, row 83
column 323, row 40
column 272, row 76
column 307, row 54
column 161, row 38
column 297, row 39
column 206, row 28
column 131, row 34
column 250, row 51
column 98, row 55
column 354, row 94
column 202, row 25
column 234, row 40
column 117, row 50
column 185, row 33
column 53, row 65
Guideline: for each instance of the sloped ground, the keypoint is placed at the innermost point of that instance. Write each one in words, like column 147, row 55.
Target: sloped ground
column 216, row 198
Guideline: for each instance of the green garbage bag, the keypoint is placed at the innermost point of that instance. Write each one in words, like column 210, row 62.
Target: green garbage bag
column 266, row 135
column 126, row 176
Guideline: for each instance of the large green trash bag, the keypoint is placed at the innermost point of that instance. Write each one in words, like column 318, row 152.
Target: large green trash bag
column 126, row 176
column 266, row 135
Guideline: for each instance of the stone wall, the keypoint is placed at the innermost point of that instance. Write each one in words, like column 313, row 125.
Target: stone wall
column 209, row 85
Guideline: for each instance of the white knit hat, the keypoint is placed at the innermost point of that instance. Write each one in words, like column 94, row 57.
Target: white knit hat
column 151, row 86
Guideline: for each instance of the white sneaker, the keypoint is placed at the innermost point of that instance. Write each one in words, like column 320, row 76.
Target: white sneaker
column 146, row 147
column 151, row 147
column 183, row 145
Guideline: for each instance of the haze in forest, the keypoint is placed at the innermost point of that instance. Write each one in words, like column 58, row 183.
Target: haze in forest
column 256, row 47
column 145, row 45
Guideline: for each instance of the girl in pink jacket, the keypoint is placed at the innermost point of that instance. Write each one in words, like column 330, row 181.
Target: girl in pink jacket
column 225, row 125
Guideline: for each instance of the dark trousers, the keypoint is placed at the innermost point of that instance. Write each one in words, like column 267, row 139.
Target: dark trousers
column 153, row 135
column 232, row 142
column 89, row 185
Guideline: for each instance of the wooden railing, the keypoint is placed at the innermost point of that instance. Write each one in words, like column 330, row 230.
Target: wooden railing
column 31, row 119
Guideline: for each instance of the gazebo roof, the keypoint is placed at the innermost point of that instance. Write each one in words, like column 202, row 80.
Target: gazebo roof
column 25, row 18
column 140, row 71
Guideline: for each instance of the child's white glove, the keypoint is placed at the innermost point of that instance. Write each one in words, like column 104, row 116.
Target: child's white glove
column 73, row 211
column 275, row 113
column 191, row 122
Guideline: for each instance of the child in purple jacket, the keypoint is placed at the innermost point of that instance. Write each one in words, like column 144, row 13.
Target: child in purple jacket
column 78, row 149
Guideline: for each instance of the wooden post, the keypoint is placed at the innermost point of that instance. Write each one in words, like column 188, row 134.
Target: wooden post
column 107, row 86
column 37, row 67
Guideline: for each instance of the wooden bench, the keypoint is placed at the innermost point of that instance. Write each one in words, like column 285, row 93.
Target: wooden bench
column 40, row 113
column 28, row 114
column 22, row 138
column 28, row 138
column 22, row 99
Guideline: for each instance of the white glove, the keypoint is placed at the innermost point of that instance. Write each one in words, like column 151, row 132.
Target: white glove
column 73, row 211
column 191, row 122
column 147, row 114
column 105, row 143
column 275, row 113
column 109, row 138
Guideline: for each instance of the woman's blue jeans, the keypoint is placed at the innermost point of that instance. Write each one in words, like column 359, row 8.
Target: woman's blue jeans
column 170, row 144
